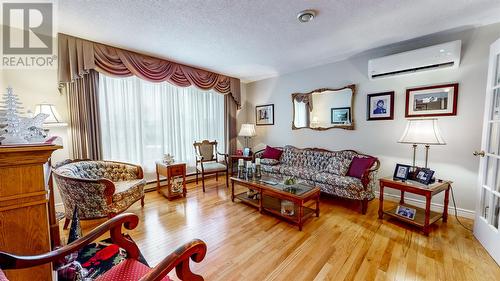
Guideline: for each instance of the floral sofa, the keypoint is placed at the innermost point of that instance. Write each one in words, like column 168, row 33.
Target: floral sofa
column 98, row 188
column 325, row 169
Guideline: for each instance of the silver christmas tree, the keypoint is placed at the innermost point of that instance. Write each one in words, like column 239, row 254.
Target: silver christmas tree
column 12, row 127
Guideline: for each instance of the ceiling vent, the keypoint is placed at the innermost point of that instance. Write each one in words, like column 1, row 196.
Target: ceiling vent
column 446, row 55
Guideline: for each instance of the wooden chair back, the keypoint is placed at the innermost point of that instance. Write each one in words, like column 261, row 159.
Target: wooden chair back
column 206, row 149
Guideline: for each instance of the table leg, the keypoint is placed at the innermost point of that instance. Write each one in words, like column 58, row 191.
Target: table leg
column 446, row 199
column 317, row 206
column 301, row 211
column 232, row 190
column 261, row 200
column 402, row 199
column 381, row 202
column 157, row 180
column 427, row 214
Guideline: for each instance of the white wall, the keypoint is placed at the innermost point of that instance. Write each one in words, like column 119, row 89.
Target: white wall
column 462, row 133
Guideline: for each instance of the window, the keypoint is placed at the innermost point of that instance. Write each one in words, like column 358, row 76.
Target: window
column 141, row 121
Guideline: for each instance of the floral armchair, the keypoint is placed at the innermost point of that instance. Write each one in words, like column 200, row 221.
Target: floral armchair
column 98, row 188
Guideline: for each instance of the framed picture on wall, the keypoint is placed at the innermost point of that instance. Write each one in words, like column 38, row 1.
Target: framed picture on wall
column 380, row 106
column 439, row 100
column 341, row 115
column 264, row 114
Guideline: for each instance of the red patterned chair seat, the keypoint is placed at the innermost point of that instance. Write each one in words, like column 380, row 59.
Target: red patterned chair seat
column 128, row 270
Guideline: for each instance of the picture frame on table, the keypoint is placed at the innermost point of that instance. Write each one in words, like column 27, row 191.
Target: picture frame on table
column 406, row 212
column 401, row 172
column 380, row 106
column 438, row 100
column 264, row 114
column 424, row 175
column 340, row 115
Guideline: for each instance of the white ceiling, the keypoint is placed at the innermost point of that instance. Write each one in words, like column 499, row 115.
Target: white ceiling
column 256, row 39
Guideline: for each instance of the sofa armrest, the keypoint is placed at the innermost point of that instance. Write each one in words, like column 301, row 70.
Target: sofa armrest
column 114, row 225
column 369, row 175
column 195, row 250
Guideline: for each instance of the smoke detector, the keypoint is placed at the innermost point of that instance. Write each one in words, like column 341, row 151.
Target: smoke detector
column 306, row 15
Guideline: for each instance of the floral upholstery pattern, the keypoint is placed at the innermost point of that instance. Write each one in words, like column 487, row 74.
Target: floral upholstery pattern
column 98, row 188
column 267, row 161
column 326, row 169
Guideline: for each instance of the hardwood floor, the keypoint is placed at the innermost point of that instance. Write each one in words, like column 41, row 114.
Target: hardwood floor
column 341, row 244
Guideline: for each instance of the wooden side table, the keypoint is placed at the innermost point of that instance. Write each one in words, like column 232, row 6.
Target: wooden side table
column 423, row 217
column 170, row 171
column 235, row 157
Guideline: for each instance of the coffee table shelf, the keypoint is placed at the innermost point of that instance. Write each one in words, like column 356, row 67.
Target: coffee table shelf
column 270, row 197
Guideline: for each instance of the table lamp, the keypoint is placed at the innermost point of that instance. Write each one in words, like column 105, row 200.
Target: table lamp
column 247, row 131
column 54, row 119
column 422, row 131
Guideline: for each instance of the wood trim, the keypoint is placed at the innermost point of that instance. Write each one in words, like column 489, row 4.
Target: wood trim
column 455, row 100
column 368, row 104
column 13, row 207
column 25, row 195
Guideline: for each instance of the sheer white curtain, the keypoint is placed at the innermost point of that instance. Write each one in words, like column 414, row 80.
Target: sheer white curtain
column 141, row 120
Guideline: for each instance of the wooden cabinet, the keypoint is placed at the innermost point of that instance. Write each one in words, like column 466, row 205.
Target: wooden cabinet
column 24, row 225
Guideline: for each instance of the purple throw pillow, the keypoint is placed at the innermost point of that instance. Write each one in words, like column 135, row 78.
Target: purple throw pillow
column 272, row 153
column 359, row 165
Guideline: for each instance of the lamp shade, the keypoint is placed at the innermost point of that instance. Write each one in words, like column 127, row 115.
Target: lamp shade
column 247, row 130
column 422, row 131
column 54, row 119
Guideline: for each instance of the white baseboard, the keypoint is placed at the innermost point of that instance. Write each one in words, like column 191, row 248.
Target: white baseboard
column 470, row 214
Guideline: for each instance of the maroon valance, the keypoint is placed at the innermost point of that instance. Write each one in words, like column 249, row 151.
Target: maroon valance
column 77, row 56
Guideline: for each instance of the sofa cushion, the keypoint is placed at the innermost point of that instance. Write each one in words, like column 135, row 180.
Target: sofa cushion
column 293, row 156
column 340, row 181
column 132, row 189
column 266, row 161
column 272, row 153
column 339, row 162
column 271, row 169
column 298, row 172
column 359, row 165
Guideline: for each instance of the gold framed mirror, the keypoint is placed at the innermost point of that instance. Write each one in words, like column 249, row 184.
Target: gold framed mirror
column 324, row 109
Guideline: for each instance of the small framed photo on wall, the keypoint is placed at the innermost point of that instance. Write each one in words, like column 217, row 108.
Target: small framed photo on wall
column 264, row 114
column 439, row 100
column 380, row 106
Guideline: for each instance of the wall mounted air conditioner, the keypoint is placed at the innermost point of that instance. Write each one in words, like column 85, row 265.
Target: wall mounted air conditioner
column 446, row 55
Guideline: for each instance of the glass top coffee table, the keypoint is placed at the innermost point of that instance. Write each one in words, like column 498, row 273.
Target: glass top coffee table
column 272, row 196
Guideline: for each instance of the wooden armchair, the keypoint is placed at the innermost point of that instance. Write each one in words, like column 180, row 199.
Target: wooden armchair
column 131, row 267
column 207, row 161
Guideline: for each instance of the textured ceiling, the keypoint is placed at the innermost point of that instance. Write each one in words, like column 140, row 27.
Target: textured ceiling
column 256, row 39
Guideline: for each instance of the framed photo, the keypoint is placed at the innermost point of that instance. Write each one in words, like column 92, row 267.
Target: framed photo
column 264, row 114
column 401, row 172
column 440, row 100
column 380, row 106
column 406, row 212
column 424, row 175
column 341, row 115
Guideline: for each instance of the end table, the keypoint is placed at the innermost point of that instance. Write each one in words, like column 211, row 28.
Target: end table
column 170, row 171
column 423, row 217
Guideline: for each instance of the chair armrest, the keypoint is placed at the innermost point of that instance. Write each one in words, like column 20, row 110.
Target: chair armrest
column 114, row 225
column 195, row 249
column 226, row 156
